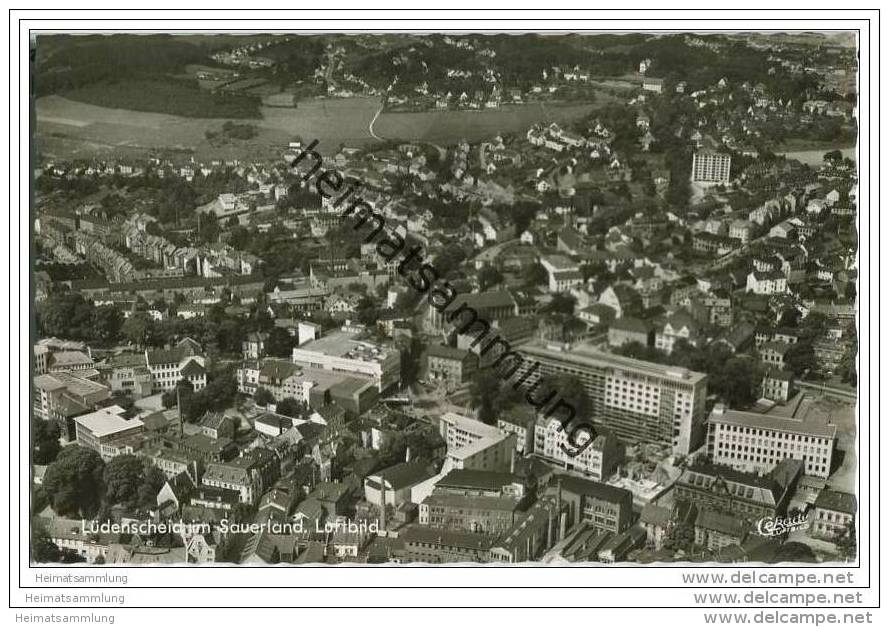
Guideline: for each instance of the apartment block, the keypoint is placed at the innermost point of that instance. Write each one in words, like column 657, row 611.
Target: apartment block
column 473, row 445
column 636, row 400
column 711, row 167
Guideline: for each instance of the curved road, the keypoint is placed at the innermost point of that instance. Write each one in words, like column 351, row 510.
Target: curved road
column 370, row 127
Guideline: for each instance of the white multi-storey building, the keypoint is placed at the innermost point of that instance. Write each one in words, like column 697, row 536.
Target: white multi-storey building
column 767, row 283
column 341, row 352
column 711, row 167
column 169, row 366
column 753, row 442
column 473, row 445
column 635, row 400
column 563, row 274
column 598, row 460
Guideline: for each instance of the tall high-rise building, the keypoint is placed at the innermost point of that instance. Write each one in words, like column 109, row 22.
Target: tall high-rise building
column 638, row 401
column 708, row 166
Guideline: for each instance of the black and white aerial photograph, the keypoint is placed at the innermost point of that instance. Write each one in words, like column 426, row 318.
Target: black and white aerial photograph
column 475, row 297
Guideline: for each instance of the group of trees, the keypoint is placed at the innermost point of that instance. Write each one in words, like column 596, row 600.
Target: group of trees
column 287, row 406
column 45, row 551
column 45, row 445
column 175, row 96
column 68, row 62
column 219, row 331
column 491, row 394
column 488, row 276
column 74, row 482
column 219, row 394
column 79, row 484
column 69, row 315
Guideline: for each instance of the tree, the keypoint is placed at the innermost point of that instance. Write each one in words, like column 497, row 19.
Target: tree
column 46, row 441
column 736, row 381
column 230, row 335
column 367, row 311
column 522, row 213
column 122, row 477
column 483, row 394
column 681, row 537
column 800, row 357
column 279, row 343
column 789, row 317
column 846, row 369
column 534, row 274
column 181, row 393
column 833, row 156
column 43, row 549
column 137, row 328
column 289, row 407
column 562, row 303
column 107, row 323
column 488, row 276
column 847, row 545
column 569, row 389
column 814, row 325
column 67, row 315
column 795, row 552
column 636, row 350
column 153, row 479
column 411, row 350
column 75, row 482
column 449, row 259
column 263, row 397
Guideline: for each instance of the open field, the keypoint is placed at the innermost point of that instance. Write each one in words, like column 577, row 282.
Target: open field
column 815, row 156
column 448, row 126
column 69, row 129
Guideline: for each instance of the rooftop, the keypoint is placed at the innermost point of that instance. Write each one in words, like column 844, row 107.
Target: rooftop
column 837, row 501
column 595, row 489
column 585, row 355
column 78, row 386
column 630, row 325
column 723, row 523
column 64, row 359
column 445, row 537
column 477, row 479
column 484, row 300
column 767, row 489
column 800, row 416
column 342, row 344
column 502, row 503
column 447, row 352
column 402, row 475
column 107, row 421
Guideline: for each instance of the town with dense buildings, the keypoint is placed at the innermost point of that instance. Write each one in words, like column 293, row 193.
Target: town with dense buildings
column 230, row 368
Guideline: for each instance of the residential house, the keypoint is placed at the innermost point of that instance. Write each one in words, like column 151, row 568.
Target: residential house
column 452, row 365
column 715, row 530
column 679, row 326
column 777, row 385
column 834, row 514
column 519, row 420
column 774, row 354
column 767, row 283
